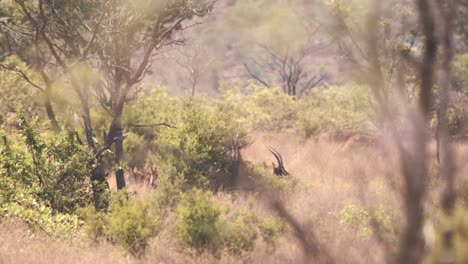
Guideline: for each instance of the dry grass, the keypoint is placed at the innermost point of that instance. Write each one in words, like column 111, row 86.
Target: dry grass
column 329, row 177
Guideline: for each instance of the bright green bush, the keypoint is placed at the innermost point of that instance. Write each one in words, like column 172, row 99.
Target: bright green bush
column 460, row 68
column 238, row 231
column 241, row 228
column 206, row 225
column 335, row 108
column 260, row 108
column 359, row 219
column 197, row 220
column 325, row 108
column 261, row 174
column 23, row 94
column 199, row 148
column 54, row 167
column 129, row 223
column 21, row 204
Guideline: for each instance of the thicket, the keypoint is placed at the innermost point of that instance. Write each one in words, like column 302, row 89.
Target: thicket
column 189, row 142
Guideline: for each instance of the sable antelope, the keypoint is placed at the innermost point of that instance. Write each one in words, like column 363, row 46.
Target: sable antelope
column 238, row 170
column 278, row 170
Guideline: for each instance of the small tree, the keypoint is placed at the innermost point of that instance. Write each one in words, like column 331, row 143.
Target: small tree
column 116, row 39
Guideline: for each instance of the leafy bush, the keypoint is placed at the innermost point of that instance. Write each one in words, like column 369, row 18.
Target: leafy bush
column 359, row 219
column 260, row 173
column 198, row 148
column 327, row 108
column 23, row 94
column 260, row 108
column 205, row 225
column 130, row 224
column 53, row 167
column 335, row 108
column 22, row 205
column 241, row 228
column 460, row 66
column 197, row 219
column 238, row 231
column 456, row 119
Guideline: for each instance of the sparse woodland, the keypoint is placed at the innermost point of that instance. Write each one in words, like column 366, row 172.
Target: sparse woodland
column 233, row 131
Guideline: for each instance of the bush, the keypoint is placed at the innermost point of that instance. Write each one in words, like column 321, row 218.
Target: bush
column 197, row 220
column 240, row 229
column 198, row 148
column 22, row 205
column 344, row 107
column 54, row 167
column 335, row 108
column 260, row 108
column 130, row 224
column 359, row 219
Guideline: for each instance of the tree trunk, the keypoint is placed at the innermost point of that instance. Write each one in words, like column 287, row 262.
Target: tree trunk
column 100, row 186
column 51, row 114
column 119, row 174
column 116, row 135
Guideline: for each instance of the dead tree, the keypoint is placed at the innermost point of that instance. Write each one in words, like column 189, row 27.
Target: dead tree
column 287, row 69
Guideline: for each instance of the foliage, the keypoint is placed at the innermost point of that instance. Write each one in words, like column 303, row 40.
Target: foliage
column 346, row 107
column 197, row 218
column 130, row 224
column 261, row 108
column 336, row 108
column 241, row 228
column 450, row 241
column 206, row 225
column 198, row 148
column 360, row 219
column 53, row 167
column 460, row 65
column 21, row 204
column 456, row 119
column 15, row 91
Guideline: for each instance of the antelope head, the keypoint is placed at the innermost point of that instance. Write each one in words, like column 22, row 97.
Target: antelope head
column 278, row 170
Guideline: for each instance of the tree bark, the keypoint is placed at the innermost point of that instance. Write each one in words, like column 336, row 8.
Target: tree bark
column 51, row 114
column 115, row 135
column 119, row 174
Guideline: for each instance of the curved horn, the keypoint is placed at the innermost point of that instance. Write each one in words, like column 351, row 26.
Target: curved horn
column 276, row 155
column 279, row 158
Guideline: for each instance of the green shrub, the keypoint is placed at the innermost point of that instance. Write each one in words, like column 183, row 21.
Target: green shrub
column 128, row 223
column 198, row 148
column 324, row 108
column 335, row 108
column 205, row 225
column 197, row 220
column 131, row 224
column 271, row 228
column 456, row 119
column 54, row 167
column 238, row 231
column 260, row 108
column 460, row 68
column 16, row 91
column 40, row 218
column 359, row 219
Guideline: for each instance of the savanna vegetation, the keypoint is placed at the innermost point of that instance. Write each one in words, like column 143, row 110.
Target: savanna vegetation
column 234, row 131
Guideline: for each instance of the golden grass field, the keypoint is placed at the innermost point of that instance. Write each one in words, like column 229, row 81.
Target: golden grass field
column 329, row 176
